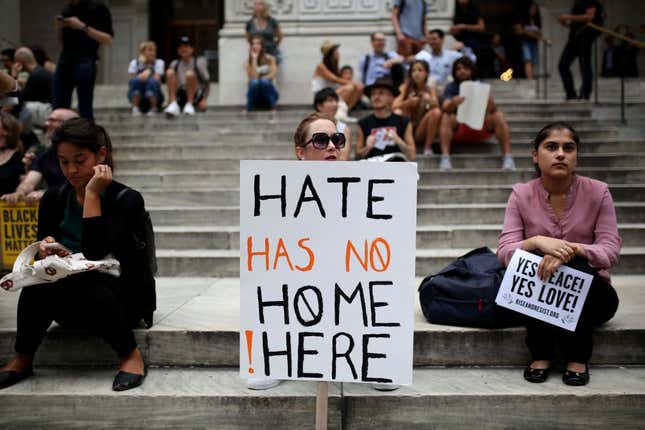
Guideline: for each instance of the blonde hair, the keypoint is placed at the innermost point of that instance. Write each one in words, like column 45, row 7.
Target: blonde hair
column 25, row 55
column 267, row 9
column 142, row 49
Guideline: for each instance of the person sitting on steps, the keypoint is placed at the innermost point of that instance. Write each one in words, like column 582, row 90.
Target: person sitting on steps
column 188, row 81
column 569, row 219
column 95, row 215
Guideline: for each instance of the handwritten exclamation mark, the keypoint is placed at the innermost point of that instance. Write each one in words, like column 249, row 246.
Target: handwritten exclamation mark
column 249, row 348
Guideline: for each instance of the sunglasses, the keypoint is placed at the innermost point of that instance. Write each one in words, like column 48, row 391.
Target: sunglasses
column 321, row 140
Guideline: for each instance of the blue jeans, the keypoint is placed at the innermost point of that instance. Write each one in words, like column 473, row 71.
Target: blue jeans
column 79, row 73
column 146, row 89
column 261, row 93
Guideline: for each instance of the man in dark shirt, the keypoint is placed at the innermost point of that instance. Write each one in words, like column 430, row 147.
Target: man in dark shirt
column 384, row 135
column 579, row 45
column 468, row 24
column 39, row 84
column 82, row 26
column 451, row 130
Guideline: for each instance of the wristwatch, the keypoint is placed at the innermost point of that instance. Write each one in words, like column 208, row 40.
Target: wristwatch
column 85, row 28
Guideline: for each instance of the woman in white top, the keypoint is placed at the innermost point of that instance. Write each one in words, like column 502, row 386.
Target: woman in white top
column 145, row 79
column 261, row 70
column 327, row 74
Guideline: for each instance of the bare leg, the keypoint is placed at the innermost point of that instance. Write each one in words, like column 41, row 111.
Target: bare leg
column 497, row 122
column 133, row 363
column 19, row 363
column 171, row 82
column 136, row 100
column 528, row 70
column 191, row 86
column 432, row 119
column 447, row 131
column 153, row 102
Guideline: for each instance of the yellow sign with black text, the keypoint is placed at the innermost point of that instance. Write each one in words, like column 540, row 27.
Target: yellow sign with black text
column 18, row 228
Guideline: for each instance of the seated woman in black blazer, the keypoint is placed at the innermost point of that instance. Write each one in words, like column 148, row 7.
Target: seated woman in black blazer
column 97, row 216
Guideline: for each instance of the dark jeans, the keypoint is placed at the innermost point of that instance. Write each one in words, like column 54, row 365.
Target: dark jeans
column 579, row 48
column 600, row 306
column 79, row 73
column 83, row 301
column 261, row 93
column 145, row 89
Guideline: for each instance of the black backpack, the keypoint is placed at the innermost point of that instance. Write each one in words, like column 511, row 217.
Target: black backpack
column 463, row 293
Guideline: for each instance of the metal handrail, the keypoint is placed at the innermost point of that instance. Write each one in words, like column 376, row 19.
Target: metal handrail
column 635, row 42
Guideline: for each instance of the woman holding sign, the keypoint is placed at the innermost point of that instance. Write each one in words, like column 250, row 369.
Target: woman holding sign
column 569, row 219
column 92, row 214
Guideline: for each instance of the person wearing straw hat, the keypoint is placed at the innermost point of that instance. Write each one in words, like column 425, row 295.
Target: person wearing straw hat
column 327, row 74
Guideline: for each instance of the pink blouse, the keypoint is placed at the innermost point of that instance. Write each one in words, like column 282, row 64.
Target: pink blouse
column 589, row 218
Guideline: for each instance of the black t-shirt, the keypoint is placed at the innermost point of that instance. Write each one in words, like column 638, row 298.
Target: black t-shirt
column 469, row 16
column 580, row 8
column 77, row 44
column 39, row 86
column 10, row 173
column 47, row 164
column 373, row 125
column 451, row 90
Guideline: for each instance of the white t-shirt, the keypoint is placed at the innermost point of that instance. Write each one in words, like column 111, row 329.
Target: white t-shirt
column 135, row 67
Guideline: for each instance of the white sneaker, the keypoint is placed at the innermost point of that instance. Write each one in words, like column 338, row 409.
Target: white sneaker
column 261, row 384
column 508, row 163
column 428, row 151
column 342, row 113
column 444, row 163
column 172, row 109
column 136, row 111
column 385, row 387
column 189, row 109
column 151, row 113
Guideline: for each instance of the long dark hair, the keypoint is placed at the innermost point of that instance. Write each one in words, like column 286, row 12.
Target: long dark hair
column 84, row 133
column 330, row 62
column 527, row 19
column 412, row 86
column 544, row 133
column 262, row 59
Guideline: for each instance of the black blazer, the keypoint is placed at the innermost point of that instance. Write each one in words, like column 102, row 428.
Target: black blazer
column 111, row 233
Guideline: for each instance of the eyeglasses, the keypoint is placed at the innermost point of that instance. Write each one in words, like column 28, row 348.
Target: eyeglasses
column 321, row 140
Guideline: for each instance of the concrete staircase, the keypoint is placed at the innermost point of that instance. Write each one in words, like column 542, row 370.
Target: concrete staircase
column 188, row 171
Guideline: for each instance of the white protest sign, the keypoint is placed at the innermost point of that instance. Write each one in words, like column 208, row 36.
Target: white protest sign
column 327, row 270
column 557, row 301
column 473, row 110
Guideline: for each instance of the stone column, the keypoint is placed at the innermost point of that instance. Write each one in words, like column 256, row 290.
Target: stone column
column 306, row 24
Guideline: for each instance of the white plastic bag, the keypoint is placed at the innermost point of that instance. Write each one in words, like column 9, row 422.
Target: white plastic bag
column 52, row 268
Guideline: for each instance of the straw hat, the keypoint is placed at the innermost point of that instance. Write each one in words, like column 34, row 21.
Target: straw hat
column 327, row 47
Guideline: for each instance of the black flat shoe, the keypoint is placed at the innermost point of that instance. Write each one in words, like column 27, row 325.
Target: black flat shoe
column 125, row 380
column 576, row 379
column 11, row 377
column 536, row 375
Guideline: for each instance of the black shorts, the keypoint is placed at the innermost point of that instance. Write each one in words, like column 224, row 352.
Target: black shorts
column 182, row 98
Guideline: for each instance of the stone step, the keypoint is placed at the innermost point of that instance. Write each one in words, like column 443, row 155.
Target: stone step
column 221, row 134
column 197, row 324
column 426, row 194
column 534, row 120
column 437, row 236
column 187, row 178
column 284, row 149
column 459, row 161
column 226, row 262
column 427, row 214
column 217, row 398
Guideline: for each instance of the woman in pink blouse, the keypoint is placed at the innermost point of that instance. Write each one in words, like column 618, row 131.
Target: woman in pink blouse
column 569, row 219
